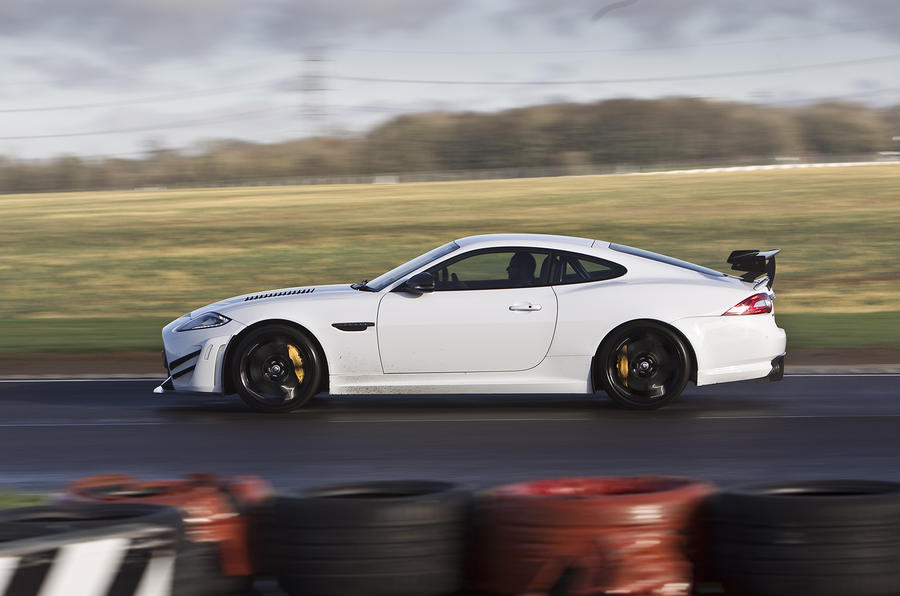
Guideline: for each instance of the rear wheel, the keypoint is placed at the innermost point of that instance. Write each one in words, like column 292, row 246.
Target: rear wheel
column 276, row 369
column 643, row 366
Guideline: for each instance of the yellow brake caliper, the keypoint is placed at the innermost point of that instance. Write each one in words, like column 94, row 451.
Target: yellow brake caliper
column 294, row 353
column 622, row 364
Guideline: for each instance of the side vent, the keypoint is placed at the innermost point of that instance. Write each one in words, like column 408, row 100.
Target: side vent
column 276, row 294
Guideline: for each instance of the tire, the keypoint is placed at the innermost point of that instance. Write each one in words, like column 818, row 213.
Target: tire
column 643, row 366
column 369, row 539
column 198, row 572
column 276, row 368
column 587, row 536
column 226, row 524
column 820, row 538
column 48, row 520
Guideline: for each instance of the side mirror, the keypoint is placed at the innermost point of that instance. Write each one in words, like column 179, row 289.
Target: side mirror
column 419, row 283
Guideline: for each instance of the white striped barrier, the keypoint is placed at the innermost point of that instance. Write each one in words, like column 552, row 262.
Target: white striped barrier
column 116, row 559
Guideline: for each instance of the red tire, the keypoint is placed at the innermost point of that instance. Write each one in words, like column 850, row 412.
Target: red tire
column 213, row 508
column 617, row 535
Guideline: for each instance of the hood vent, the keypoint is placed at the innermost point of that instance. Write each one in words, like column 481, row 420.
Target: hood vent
column 283, row 293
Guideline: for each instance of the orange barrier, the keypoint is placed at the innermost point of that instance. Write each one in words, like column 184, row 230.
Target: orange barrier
column 587, row 536
column 212, row 507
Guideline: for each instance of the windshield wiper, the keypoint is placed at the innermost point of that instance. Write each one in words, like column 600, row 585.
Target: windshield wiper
column 363, row 286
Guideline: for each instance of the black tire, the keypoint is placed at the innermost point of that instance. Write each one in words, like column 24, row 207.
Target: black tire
column 370, row 539
column 643, row 365
column 821, row 538
column 48, row 520
column 276, row 368
column 198, row 572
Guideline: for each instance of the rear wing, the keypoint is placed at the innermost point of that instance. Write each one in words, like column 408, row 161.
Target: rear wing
column 756, row 263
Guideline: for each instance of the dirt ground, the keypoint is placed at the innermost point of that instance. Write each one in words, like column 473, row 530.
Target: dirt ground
column 149, row 364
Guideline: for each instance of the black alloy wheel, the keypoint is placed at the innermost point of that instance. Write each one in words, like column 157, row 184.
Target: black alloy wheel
column 276, row 369
column 644, row 366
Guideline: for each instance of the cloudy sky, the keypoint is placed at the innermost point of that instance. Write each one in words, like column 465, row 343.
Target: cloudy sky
column 114, row 77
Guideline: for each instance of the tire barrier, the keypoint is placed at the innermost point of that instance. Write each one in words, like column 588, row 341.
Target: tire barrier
column 88, row 550
column 587, row 536
column 822, row 538
column 582, row 536
column 217, row 557
column 397, row 538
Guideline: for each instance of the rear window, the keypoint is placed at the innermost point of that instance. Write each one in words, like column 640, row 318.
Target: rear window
column 646, row 254
column 575, row 269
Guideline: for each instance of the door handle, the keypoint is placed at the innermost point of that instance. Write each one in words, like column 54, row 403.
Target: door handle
column 525, row 307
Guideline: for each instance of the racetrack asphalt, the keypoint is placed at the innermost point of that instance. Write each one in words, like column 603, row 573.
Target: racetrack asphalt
column 804, row 427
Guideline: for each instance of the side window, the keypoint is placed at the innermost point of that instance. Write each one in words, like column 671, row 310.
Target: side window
column 494, row 270
column 574, row 269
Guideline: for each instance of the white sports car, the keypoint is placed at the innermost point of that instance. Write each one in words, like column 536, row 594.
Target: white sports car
column 506, row 313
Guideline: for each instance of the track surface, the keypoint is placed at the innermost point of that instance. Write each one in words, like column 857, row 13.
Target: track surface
column 802, row 427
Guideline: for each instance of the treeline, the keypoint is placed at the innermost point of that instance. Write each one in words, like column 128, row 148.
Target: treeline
column 620, row 131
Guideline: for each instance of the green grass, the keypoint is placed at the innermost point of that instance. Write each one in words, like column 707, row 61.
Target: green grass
column 10, row 499
column 841, row 330
column 93, row 334
column 97, row 271
column 805, row 330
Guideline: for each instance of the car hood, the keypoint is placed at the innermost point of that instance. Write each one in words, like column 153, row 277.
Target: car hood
column 292, row 294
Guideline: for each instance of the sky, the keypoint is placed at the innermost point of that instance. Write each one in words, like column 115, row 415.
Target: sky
column 122, row 77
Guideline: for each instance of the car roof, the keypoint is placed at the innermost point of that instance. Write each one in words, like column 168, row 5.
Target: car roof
column 532, row 240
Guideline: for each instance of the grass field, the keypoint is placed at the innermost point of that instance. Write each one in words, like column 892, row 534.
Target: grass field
column 10, row 499
column 86, row 270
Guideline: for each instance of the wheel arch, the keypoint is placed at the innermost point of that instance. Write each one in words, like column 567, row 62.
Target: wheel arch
column 228, row 386
column 595, row 380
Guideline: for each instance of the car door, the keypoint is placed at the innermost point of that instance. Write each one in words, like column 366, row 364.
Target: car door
column 491, row 311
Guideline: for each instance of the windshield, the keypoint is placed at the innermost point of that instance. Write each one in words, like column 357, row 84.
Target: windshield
column 664, row 259
column 383, row 281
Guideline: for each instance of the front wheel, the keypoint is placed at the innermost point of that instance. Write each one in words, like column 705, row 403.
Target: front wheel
column 643, row 366
column 276, row 369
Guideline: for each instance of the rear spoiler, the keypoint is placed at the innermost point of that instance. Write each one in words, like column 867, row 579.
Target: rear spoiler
column 755, row 263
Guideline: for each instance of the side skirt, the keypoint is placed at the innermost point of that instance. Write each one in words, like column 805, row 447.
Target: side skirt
column 561, row 374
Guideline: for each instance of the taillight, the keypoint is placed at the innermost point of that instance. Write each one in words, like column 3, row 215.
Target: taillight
column 756, row 304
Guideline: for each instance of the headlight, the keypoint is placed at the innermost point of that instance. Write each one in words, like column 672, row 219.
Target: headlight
column 207, row 320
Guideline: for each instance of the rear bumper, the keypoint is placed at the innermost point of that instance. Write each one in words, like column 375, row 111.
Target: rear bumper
column 735, row 348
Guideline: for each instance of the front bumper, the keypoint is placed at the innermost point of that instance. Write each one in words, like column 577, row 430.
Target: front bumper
column 165, row 386
column 195, row 360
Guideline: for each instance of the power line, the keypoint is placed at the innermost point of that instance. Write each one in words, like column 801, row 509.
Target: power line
column 90, row 157
column 191, row 123
column 823, row 98
column 141, row 100
column 611, row 7
column 373, row 109
column 396, row 109
column 184, row 124
column 717, row 75
column 638, row 50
